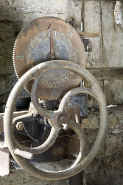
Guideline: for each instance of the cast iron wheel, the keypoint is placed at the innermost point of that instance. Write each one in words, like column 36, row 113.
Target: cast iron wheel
column 36, row 73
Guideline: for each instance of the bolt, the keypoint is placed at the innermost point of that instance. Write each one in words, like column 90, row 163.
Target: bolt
column 64, row 120
column 20, row 125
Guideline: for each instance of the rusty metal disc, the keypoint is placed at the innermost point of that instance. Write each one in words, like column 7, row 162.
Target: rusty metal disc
column 45, row 39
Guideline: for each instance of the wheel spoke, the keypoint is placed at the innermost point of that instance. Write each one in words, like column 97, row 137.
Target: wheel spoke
column 79, row 131
column 42, row 148
column 41, row 110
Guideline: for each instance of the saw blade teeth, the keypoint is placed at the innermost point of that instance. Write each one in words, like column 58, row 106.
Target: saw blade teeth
column 13, row 53
column 13, row 56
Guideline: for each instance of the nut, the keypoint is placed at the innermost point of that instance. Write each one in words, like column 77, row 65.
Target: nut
column 64, row 120
column 20, row 125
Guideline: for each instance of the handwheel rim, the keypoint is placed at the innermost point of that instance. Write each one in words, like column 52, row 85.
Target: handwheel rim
column 41, row 68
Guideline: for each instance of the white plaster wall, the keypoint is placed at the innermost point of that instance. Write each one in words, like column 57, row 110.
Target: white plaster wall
column 31, row 10
column 107, row 48
column 112, row 37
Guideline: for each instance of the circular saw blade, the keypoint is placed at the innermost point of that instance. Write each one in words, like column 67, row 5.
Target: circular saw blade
column 45, row 39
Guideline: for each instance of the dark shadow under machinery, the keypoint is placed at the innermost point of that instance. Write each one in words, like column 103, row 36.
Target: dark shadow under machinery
column 49, row 60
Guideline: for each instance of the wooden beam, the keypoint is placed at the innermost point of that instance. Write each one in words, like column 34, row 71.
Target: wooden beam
column 85, row 34
column 107, row 73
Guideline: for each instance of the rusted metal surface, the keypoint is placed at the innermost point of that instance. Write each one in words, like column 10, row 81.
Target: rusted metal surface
column 45, row 39
column 4, row 161
column 94, row 91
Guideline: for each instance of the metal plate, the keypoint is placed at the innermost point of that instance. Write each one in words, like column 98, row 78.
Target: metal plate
column 34, row 45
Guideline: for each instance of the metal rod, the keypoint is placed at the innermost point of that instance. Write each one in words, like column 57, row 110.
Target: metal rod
column 76, row 179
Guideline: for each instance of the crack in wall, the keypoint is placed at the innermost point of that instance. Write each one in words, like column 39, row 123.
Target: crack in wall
column 82, row 15
column 101, row 45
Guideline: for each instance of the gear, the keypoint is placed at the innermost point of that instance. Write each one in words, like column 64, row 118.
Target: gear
column 44, row 39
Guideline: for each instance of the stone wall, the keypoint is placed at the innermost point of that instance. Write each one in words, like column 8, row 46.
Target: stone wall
column 98, row 19
column 107, row 167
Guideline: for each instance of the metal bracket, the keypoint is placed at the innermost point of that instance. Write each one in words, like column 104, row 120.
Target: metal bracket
column 87, row 44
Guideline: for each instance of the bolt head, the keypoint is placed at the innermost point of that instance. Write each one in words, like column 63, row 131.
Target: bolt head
column 64, row 120
column 20, row 125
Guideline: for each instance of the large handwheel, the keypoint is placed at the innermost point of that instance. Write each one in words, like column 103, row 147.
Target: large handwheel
column 36, row 73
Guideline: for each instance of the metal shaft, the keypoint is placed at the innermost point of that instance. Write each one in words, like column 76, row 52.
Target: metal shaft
column 76, row 179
